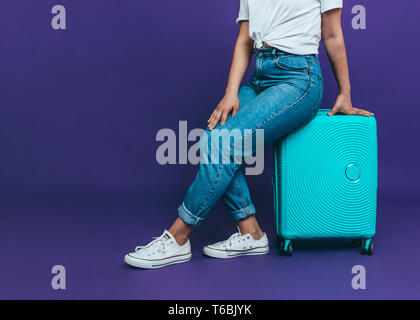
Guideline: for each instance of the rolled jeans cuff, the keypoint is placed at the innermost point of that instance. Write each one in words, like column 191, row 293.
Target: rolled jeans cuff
column 243, row 213
column 188, row 217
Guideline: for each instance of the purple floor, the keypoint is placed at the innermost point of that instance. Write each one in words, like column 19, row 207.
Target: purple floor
column 89, row 235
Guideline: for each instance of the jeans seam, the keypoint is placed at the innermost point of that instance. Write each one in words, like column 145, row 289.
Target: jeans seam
column 320, row 83
column 240, row 191
column 219, row 174
column 320, row 92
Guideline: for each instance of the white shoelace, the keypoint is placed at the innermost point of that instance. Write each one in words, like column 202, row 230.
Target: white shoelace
column 158, row 241
column 233, row 237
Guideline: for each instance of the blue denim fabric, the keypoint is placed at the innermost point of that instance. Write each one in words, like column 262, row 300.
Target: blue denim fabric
column 284, row 93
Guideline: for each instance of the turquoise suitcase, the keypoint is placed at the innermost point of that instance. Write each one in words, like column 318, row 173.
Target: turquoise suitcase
column 325, row 181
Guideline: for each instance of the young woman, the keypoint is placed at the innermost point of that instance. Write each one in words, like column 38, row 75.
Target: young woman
column 283, row 94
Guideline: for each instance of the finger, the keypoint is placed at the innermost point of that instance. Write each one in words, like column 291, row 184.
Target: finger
column 364, row 113
column 235, row 110
column 215, row 120
column 211, row 116
column 368, row 112
column 333, row 111
column 224, row 118
column 214, row 123
column 355, row 111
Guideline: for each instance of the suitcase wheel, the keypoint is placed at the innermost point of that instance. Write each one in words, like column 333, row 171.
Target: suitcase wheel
column 286, row 248
column 367, row 247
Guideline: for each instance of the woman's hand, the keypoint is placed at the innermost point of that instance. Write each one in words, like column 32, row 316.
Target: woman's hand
column 343, row 105
column 229, row 103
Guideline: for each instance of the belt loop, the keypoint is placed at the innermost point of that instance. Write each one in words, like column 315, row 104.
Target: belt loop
column 273, row 52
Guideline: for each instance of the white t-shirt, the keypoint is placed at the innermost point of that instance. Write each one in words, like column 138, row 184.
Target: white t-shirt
column 293, row 26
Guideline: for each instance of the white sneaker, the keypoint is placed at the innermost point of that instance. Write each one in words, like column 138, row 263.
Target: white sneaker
column 161, row 252
column 237, row 245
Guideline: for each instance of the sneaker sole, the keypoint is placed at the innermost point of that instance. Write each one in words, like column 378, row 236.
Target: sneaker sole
column 224, row 255
column 145, row 264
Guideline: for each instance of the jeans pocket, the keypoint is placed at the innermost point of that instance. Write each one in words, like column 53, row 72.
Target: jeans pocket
column 293, row 63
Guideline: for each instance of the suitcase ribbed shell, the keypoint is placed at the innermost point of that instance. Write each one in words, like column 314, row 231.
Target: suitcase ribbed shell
column 325, row 179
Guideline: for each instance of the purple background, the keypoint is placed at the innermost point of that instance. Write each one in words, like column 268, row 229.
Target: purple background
column 80, row 185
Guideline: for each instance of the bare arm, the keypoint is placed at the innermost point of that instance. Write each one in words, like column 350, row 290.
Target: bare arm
column 241, row 58
column 333, row 38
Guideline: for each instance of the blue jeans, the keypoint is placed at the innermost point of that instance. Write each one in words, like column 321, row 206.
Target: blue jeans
column 283, row 94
